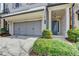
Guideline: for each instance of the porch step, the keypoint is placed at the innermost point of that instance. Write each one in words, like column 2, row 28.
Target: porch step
column 57, row 36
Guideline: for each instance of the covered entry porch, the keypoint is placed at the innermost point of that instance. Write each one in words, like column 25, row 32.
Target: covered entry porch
column 59, row 19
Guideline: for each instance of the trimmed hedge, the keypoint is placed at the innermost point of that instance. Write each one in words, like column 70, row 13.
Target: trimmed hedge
column 47, row 34
column 73, row 35
column 45, row 47
column 4, row 32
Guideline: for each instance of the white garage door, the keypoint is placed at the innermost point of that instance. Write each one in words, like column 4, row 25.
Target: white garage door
column 28, row 28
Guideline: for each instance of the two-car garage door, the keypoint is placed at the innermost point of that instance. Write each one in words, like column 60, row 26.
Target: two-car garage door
column 27, row 28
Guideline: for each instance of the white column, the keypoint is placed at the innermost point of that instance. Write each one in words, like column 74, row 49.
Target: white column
column 44, row 21
column 2, row 23
column 43, row 24
column 11, row 28
column 67, row 25
column 50, row 20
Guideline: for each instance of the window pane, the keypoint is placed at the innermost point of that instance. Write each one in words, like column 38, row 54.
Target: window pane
column 17, row 5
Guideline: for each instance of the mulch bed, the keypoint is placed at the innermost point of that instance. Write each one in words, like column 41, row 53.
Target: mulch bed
column 69, row 40
column 32, row 53
column 5, row 34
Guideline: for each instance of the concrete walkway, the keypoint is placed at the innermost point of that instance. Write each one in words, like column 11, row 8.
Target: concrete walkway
column 16, row 45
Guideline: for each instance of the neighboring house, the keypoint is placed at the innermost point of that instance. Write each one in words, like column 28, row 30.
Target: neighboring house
column 1, row 11
column 33, row 18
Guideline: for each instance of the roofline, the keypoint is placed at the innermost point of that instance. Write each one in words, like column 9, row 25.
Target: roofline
column 33, row 10
column 56, row 4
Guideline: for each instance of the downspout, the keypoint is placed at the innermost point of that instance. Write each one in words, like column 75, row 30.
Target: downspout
column 73, row 16
column 46, row 17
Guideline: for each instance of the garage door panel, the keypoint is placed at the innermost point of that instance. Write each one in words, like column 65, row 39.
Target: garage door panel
column 16, row 29
column 29, row 28
column 22, row 28
column 37, row 31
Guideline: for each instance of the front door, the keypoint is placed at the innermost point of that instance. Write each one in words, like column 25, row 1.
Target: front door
column 55, row 27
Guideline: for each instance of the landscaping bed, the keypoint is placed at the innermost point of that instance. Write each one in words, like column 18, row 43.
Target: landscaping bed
column 73, row 35
column 53, row 47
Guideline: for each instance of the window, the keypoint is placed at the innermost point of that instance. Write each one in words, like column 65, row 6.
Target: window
column 16, row 5
column 78, row 16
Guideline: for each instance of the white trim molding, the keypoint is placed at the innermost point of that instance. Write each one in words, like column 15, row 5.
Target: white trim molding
column 67, row 21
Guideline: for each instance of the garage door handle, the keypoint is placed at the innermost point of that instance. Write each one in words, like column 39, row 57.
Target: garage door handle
column 18, row 28
column 32, row 28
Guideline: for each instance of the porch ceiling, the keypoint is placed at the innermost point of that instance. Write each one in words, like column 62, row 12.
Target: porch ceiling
column 25, row 17
column 58, row 13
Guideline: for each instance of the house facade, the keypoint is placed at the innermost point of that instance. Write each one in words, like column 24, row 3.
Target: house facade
column 32, row 18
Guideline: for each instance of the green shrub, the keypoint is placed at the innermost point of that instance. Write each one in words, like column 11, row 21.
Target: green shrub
column 3, row 30
column 45, row 47
column 77, row 45
column 47, row 34
column 73, row 35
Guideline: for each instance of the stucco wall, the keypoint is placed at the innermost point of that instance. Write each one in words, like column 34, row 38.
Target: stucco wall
column 11, row 27
column 76, row 16
column 63, row 25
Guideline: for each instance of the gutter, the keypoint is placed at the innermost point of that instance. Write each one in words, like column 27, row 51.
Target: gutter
column 73, row 16
column 23, row 12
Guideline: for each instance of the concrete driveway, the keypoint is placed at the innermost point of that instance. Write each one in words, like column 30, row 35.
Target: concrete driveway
column 16, row 45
